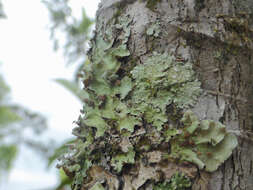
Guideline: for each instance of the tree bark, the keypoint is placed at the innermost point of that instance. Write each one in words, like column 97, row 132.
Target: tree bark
column 216, row 38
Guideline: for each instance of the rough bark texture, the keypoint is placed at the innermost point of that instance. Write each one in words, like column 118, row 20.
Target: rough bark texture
column 216, row 37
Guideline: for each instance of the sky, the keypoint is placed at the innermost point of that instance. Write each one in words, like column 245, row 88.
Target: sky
column 30, row 66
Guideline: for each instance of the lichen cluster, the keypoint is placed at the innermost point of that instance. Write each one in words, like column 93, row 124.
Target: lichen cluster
column 177, row 182
column 134, row 116
column 159, row 82
column 205, row 143
column 154, row 30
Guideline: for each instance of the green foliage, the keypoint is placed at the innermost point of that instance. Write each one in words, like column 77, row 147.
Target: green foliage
column 7, row 116
column 13, row 120
column 2, row 14
column 63, row 176
column 64, row 180
column 177, row 182
column 8, row 154
column 205, row 143
column 76, row 31
column 74, row 88
column 4, row 89
column 59, row 151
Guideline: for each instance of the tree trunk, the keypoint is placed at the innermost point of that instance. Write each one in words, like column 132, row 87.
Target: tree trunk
column 169, row 97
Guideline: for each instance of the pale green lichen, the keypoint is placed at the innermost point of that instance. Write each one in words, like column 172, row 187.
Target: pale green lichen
column 121, row 104
column 154, row 30
column 97, row 186
column 119, row 160
column 124, row 88
column 128, row 123
column 170, row 133
column 177, row 182
column 102, row 106
column 161, row 81
column 143, row 104
column 205, row 143
column 101, row 75
column 80, row 171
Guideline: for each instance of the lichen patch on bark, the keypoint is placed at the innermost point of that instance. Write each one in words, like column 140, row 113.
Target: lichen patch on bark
column 165, row 89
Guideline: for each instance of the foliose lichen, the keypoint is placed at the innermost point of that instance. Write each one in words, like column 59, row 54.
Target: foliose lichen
column 103, row 107
column 119, row 160
column 134, row 113
column 177, row 182
column 97, row 186
column 205, row 143
column 154, row 29
column 159, row 82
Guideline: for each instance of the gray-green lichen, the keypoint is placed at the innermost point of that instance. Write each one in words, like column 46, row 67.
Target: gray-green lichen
column 154, row 29
column 205, row 143
column 159, row 82
column 119, row 160
column 133, row 110
column 97, row 186
column 177, row 182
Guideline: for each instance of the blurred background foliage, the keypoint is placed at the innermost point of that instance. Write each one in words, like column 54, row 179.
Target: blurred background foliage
column 69, row 35
column 76, row 33
column 2, row 14
column 15, row 123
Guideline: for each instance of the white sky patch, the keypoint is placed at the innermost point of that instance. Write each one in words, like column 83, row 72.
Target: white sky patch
column 29, row 66
column 90, row 8
column 22, row 176
column 21, row 179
